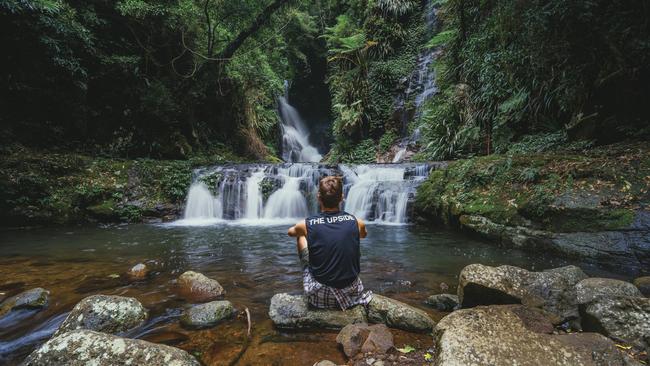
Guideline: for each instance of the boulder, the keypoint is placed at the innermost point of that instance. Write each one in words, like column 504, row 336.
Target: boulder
column 325, row 363
column 35, row 298
column 643, row 284
column 355, row 338
column 398, row 315
column 86, row 347
column 623, row 318
column 195, row 286
column 443, row 302
column 594, row 288
column 552, row 290
column 104, row 313
column 515, row 335
column 138, row 272
column 207, row 315
column 293, row 311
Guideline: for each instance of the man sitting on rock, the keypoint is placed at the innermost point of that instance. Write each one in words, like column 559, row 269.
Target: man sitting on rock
column 329, row 251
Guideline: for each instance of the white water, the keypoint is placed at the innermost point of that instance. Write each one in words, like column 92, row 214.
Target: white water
column 201, row 204
column 254, row 199
column 399, row 155
column 387, row 184
column 376, row 193
column 295, row 136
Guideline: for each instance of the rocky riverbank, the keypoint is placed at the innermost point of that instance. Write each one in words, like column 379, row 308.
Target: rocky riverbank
column 591, row 204
column 498, row 315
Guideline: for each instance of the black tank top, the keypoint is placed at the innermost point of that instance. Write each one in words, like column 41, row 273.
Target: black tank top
column 334, row 253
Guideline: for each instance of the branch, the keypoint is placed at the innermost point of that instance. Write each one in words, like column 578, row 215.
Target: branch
column 261, row 19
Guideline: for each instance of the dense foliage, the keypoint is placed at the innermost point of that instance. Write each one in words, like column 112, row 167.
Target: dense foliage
column 578, row 69
column 170, row 78
column 144, row 78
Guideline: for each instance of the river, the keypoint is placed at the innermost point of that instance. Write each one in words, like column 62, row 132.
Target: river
column 406, row 262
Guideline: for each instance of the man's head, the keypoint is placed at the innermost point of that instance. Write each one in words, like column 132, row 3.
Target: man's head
column 330, row 192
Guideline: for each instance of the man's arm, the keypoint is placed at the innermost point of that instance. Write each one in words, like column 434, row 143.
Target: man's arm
column 362, row 228
column 298, row 230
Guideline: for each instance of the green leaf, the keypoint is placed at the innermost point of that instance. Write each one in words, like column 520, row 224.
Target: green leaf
column 406, row 349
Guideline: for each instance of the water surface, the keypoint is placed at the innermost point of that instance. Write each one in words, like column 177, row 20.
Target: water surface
column 252, row 263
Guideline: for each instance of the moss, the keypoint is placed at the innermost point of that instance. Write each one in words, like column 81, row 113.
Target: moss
column 105, row 210
column 556, row 191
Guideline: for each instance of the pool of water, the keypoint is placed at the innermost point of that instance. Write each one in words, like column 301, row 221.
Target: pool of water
column 252, row 263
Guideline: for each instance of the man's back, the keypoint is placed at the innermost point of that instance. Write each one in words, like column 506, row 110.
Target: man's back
column 334, row 252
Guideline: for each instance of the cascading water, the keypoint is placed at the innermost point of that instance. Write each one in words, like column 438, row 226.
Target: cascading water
column 381, row 194
column 266, row 193
column 421, row 87
column 295, row 136
column 201, row 203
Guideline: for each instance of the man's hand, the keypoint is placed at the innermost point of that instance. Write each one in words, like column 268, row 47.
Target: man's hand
column 297, row 230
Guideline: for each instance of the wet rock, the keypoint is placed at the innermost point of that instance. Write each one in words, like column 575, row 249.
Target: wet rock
column 207, row 315
column 396, row 314
column 443, row 302
column 355, row 338
column 35, row 298
column 293, row 311
column 594, row 288
column 504, row 335
column 85, row 347
column 103, row 313
column 138, row 272
column 623, row 318
column 552, row 290
column 325, row 363
column 197, row 287
column 643, row 284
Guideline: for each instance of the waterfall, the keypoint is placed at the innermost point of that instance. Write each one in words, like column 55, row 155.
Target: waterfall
column 201, row 203
column 399, row 155
column 274, row 193
column 295, row 136
column 254, row 204
column 421, row 86
column 379, row 193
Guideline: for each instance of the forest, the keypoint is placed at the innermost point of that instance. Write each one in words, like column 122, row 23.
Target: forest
column 169, row 79
column 498, row 151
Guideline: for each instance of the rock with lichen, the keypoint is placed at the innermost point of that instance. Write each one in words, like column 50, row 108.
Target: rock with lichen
column 104, row 313
column 86, row 347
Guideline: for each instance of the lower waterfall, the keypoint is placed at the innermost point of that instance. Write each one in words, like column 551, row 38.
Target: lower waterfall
column 270, row 193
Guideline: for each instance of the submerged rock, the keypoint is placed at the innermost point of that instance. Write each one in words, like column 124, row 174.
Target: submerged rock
column 594, row 288
column 399, row 315
column 552, row 290
column 443, row 302
column 197, row 287
column 207, row 315
column 293, row 311
column 623, row 318
column 355, row 338
column 138, row 272
column 515, row 335
column 104, row 313
column 35, row 298
column 643, row 284
column 85, row 347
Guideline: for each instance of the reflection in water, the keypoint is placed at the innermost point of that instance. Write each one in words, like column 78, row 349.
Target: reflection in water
column 252, row 263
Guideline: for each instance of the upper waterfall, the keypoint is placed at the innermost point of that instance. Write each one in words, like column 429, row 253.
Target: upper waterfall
column 295, row 136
